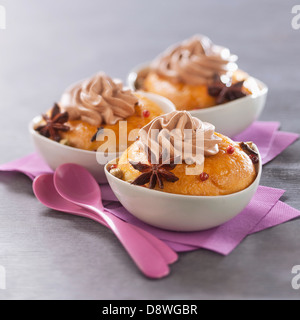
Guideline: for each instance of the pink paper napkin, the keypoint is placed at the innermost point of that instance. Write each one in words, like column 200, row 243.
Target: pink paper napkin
column 264, row 211
column 224, row 238
column 265, row 135
column 279, row 214
column 268, row 139
column 33, row 165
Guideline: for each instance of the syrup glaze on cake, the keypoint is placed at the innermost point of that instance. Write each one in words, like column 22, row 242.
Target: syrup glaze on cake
column 227, row 167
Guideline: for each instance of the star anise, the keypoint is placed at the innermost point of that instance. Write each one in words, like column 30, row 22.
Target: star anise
column 155, row 173
column 253, row 155
column 94, row 137
column 54, row 124
column 246, row 147
column 224, row 92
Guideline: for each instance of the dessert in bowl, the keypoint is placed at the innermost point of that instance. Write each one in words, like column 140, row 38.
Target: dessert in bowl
column 181, row 175
column 94, row 120
column 204, row 78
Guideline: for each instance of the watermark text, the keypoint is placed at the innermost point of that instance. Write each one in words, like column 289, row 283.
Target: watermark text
column 296, row 279
column 2, row 18
column 2, row 278
column 162, row 146
column 296, row 18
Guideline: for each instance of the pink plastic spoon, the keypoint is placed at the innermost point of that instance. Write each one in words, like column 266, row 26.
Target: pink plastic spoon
column 44, row 190
column 77, row 185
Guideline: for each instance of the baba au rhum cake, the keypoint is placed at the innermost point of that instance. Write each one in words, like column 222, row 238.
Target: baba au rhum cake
column 197, row 74
column 90, row 106
column 228, row 166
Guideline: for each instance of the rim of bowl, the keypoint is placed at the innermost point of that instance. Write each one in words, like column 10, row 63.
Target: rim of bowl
column 151, row 95
column 37, row 119
column 133, row 76
column 258, row 168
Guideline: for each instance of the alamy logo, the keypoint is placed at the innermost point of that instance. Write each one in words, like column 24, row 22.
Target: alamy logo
column 2, row 278
column 2, row 17
column 296, row 279
column 296, row 18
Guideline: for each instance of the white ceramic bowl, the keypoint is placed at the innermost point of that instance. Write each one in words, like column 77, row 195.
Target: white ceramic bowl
column 56, row 154
column 230, row 118
column 180, row 212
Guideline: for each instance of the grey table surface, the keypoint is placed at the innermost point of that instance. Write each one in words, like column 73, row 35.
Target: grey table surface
column 48, row 45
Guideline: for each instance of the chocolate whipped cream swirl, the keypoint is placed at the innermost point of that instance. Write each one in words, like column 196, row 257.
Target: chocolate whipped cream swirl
column 179, row 135
column 196, row 61
column 98, row 100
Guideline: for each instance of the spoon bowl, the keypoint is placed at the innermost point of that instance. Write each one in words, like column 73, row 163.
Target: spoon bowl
column 80, row 182
column 44, row 190
column 76, row 184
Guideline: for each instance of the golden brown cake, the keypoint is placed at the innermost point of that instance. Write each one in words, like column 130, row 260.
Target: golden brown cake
column 196, row 74
column 89, row 108
column 228, row 166
column 81, row 133
column 184, row 96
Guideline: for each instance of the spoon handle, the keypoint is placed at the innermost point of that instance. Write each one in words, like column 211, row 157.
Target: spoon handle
column 145, row 255
column 168, row 254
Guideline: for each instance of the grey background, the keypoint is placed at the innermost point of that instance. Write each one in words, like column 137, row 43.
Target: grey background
column 50, row 44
